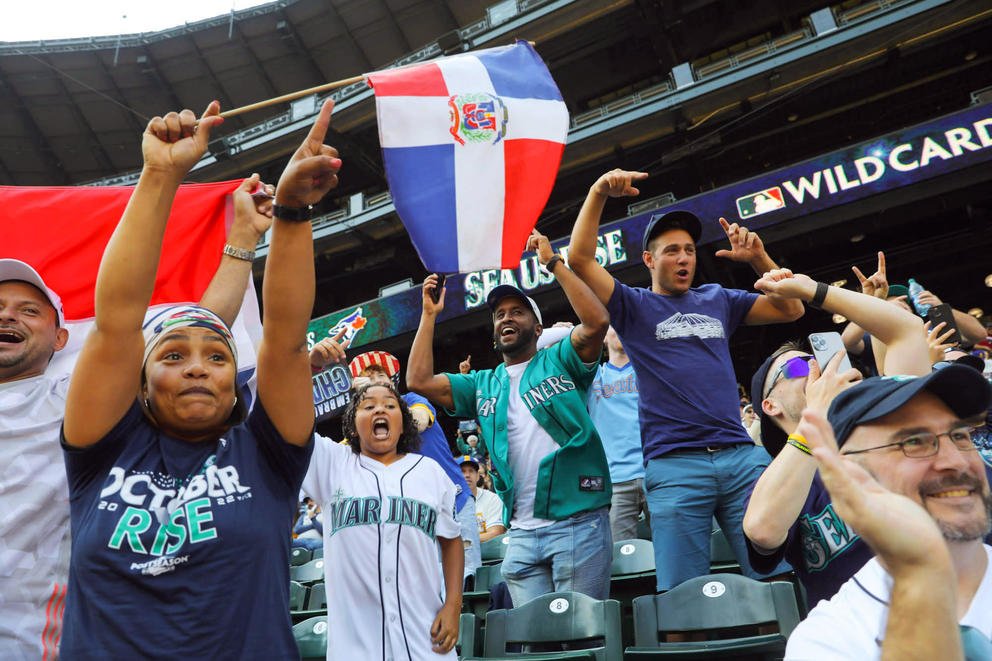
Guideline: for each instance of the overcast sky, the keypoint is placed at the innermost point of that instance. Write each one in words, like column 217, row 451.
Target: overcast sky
column 25, row 20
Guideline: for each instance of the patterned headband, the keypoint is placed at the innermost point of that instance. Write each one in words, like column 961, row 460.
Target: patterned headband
column 184, row 316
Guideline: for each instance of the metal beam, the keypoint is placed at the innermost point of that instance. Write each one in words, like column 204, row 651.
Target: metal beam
column 162, row 82
column 214, row 80
column 407, row 47
column 446, row 8
column 336, row 15
column 77, row 115
column 256, row 63
column 301, row 48
column 44, row 147
column 135, row 124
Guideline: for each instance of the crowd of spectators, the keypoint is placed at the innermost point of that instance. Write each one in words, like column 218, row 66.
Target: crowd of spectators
column 870, row 487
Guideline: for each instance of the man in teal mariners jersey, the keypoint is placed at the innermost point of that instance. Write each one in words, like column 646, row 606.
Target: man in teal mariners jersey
column 553, row 476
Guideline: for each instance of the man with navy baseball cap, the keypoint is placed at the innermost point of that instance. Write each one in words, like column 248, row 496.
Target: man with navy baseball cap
column 898, row 455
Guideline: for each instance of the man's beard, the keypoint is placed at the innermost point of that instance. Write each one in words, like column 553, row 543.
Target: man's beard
column 967, row 532
column 524, row 337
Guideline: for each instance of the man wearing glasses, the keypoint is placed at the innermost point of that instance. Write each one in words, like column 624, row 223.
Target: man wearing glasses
column 905, row 443
column 789, row 513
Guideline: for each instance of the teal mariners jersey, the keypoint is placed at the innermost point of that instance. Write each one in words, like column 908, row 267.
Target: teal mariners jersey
column 574, row 478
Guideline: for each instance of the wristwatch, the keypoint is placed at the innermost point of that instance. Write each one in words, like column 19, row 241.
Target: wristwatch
column 293, row 214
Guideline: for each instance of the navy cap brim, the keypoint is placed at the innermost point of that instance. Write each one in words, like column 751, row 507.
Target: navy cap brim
column 773, row 437
column 500, row 292
column 964, row 390
column 678, row 218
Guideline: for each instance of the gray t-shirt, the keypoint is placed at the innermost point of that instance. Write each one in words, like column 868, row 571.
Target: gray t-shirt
column 34, row 517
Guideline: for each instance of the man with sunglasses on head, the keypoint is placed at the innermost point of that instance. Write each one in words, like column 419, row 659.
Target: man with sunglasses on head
column 789, row 513
column 897, row 449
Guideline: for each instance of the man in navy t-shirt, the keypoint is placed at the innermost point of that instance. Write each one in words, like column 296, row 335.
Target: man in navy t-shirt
column 699, row 460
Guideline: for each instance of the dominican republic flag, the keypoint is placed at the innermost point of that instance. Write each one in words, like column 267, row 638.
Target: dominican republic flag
column 61, row 231
column 471, row 145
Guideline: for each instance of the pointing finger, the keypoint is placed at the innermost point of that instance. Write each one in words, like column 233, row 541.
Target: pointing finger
column 319, row 129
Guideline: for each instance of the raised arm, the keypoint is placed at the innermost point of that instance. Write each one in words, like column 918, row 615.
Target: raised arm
column 972, row 331
column 420, row 376
column 747, row 247
column 284, row 378
column 899, row 330
column 582, row 245
column 594, row 320
column 252, row 217
column 107, row 375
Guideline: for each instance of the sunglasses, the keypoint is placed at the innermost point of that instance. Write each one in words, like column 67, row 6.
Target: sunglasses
column 790, row 369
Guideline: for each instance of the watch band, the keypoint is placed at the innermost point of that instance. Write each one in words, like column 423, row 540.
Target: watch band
column 552, row 263
column 293, row 214
column 820, row 295
column 239, row 253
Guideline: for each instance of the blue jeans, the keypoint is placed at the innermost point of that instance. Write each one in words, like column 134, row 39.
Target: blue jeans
column 686, row 489
column 470, row 536
column 573, row 555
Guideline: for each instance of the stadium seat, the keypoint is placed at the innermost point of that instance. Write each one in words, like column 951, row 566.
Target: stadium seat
column 317, row 599
column 712, row 605
column 632, row 574
column 494, row 550
column 477, row 600
column 309, row 573
column 643, row 528
column 318, row 552
column 297, row 596
column 559, row 617
column 300, row 556
column 469, row 635
column 311, row 638
column 722, row 556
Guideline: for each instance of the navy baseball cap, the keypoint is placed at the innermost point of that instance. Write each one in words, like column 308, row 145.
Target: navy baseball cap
column 964, row 390
column 502, row 291
column 467, row 459
column 773, row 437
column 677, row 219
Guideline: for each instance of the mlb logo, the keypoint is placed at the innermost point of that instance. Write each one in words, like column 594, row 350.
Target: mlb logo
column 761, row 202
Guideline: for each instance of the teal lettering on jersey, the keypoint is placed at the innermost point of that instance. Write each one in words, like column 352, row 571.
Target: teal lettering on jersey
column 824, row 537
column 348, row 512
column 546, row 389
column 413, row 513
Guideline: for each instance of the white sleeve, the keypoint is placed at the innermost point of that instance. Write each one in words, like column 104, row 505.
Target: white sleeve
column 838, row 630
column 447, row 519
column 321, row 474
column 491, row 508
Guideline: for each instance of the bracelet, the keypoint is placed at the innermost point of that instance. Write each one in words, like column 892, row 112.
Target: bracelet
column 820, row 295
column 798, row 442
column 552, row 263
column 293, row 214
column 239, row 253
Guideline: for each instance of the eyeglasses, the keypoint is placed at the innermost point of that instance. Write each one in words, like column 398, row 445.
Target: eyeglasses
column 791, row 369
column 927, row 444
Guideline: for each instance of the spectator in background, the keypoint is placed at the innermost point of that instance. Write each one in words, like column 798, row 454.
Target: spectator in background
column 488, row 506
column 789, row 512
column 906, row 462
column 612, row 402
column 485, row 479
column 699, row 460
column 467, row 441
column 553, row 475
column 309, row 529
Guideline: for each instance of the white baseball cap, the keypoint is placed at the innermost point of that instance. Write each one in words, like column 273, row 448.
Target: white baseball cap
column 15, row 269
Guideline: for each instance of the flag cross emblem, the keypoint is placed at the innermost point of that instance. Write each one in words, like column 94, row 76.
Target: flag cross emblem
column 477, row 118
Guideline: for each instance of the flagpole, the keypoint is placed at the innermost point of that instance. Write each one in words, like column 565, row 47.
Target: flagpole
column 292, row 96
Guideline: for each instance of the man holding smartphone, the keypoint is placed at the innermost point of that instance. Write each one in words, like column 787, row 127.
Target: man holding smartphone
column 699, row 460
column 789, row 512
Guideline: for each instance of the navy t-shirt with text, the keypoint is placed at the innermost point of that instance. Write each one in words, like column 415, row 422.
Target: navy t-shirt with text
column 680, row 352
column 180, row 549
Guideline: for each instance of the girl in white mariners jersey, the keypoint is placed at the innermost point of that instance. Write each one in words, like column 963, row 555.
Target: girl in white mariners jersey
column 385, row 512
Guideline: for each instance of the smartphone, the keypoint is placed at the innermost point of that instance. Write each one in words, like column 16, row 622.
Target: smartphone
column 436, row 291
column 943, row 312
column 825, row 345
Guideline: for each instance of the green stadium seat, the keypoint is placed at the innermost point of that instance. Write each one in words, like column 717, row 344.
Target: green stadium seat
column 318, row 598
column 318, row 552
column 722, row 556
column 297, row 596
column 309, row 573
column 718, row 606
column 477, row 600
column 311, row 638
column 469, row 635
column 494, row 550
column 632, row 574
column 643, row 528
column 559, row 617
column 300, row 556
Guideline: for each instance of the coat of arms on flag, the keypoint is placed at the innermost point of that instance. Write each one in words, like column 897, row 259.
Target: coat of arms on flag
column 471, row 146
column 761, row 202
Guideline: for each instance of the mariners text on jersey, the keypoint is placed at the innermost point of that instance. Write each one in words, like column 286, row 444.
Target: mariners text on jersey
column 348, row 512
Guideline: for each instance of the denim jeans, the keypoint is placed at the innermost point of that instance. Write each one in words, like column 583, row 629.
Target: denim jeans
column 686, row 489
column 470, row 537
column 573, row 555
column 629, row 500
